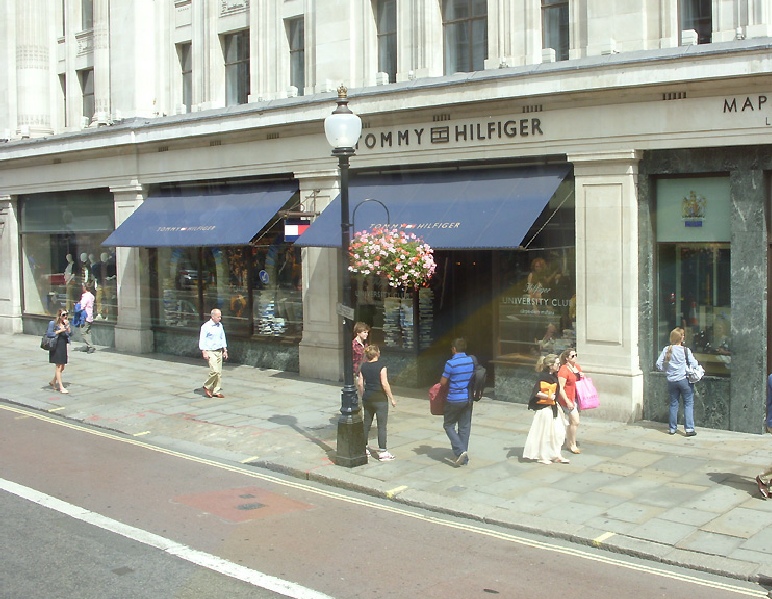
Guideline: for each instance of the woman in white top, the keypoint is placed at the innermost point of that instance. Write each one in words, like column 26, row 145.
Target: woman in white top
column 674, row 359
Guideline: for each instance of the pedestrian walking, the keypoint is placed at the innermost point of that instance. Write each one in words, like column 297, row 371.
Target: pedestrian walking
column 568, row 374
column 214, row 348
column 457, row 419
column 673, row 359
column 373, row 383
column 358, row 344
column 87, row 306
column 59, row 328
column 548, row 429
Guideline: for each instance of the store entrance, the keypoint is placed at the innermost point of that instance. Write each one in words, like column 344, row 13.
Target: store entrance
column 463, row 306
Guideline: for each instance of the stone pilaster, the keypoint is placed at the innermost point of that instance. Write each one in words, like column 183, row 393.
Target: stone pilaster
column 10, row 279
column 607, row 279
column 321, row 346
column 132, row 330
column 32, row 68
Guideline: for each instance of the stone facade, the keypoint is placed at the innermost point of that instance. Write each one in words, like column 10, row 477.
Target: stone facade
column 631, row 104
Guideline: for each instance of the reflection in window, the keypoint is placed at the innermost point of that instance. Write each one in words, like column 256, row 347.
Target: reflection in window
column 697, row 15
column 386, row 26
column 296, row 35
column 465, row 30
column 86, row 78
column 186, row 69
column 236, row 53
column 694, row 293
column 554, row 17
column 258, row 288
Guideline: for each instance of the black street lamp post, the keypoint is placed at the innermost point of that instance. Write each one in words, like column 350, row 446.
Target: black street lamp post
column 343, row 129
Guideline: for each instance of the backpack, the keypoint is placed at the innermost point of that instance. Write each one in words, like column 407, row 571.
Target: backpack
column 477, row 382
column 78, row 316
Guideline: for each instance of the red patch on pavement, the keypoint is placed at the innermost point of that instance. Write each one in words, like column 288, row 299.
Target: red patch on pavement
column 240, row 505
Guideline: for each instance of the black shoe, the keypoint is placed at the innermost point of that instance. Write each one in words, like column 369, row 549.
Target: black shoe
column 691, row 433
column 91, row 350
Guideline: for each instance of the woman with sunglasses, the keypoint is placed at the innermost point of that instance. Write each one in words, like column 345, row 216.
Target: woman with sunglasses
column 59, row 328
column 569, row 373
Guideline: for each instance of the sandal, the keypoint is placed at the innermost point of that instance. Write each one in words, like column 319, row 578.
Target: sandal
column 63, row 390
column 763, row 487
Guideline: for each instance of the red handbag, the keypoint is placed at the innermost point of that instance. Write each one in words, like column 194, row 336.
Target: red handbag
column 437, row 398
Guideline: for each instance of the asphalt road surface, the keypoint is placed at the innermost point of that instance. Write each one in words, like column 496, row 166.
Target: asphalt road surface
column 88, row 513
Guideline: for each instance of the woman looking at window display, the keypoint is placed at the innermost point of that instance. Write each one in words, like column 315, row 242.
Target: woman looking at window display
column 569, row 373
column 673, row 360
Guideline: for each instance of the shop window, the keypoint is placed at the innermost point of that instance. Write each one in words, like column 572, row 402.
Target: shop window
column 697, row 15
column 61, row 248
column 236, row 53
column 258, row 288
column 536, row 299
column 554, row 18
column 386, row 26
column 296, row 37
column 465, row 32
column 693, row 268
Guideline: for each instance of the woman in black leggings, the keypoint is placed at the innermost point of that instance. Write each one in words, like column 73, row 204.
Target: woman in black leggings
column 373, row 383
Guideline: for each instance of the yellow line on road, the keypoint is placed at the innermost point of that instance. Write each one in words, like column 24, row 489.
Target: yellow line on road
column 252, row 459
column 142, row 434
column 59, row 409
column 440, row 521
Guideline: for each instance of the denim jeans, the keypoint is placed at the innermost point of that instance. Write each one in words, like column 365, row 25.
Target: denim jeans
column 380, row 410
column 458, row 413
column 685, row 389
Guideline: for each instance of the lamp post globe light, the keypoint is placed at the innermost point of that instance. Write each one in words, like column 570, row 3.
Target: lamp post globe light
column 342, row 129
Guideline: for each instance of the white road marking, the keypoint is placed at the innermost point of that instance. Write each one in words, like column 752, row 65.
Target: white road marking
column 472, row 528
column 205, row 560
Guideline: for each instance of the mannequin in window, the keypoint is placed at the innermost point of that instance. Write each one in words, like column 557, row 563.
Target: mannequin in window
column 69, row 277
column 83, row 267
column 98, row 273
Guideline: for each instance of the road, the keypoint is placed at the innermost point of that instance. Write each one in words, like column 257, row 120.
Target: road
column 89, row 513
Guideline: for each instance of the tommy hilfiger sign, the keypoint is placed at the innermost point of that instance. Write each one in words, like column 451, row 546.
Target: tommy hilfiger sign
column 449, row 134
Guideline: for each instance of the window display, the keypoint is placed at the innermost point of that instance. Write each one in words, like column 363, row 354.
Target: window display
column 693, row 267
column 61, row 246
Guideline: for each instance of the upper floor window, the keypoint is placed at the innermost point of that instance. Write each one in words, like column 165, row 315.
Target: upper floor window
column 697, row 15
column 236, row 51
column 386, row 26
column 86, row 77
column 297, row 47
column 465, row 28
column 186, row 68
column 554, row 27
column 87, row 14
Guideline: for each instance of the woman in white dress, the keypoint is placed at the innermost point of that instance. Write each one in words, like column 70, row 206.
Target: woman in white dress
column 548, row 430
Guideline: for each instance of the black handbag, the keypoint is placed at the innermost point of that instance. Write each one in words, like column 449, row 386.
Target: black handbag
column 49, row 343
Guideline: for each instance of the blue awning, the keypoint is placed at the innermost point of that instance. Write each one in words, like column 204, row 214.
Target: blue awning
column 232, row 217
column 491, row 209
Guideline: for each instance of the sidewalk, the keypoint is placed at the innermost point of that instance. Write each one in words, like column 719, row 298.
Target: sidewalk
column 634, row 489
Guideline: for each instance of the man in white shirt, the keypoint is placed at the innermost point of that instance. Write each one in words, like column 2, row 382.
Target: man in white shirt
column 214, row 348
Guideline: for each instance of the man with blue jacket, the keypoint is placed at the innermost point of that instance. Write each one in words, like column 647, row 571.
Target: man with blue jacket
column 458, row 407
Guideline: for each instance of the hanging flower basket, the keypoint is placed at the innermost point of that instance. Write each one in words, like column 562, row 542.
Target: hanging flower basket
column 402, row 258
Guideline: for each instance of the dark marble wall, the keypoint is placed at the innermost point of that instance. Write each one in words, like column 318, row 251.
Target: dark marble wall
column 737, row 402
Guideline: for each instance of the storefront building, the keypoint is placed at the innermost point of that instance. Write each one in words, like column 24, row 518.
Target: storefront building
column 594, row 202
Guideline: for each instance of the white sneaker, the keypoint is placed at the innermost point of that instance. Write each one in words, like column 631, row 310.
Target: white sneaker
column 385, row 456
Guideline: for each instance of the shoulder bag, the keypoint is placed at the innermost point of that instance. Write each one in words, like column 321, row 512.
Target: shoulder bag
column 695, row 372
column 48, row 343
